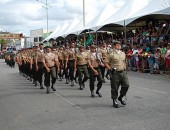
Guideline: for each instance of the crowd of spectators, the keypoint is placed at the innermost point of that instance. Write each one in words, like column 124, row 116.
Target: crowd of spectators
column 147, row 47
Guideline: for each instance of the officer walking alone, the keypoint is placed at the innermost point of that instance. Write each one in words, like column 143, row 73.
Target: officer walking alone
column 116, row 63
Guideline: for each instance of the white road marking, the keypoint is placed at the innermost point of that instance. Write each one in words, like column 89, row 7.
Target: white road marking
column 149, row 89
column 67, row 100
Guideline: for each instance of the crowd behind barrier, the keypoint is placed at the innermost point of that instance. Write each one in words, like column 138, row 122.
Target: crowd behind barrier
column 147, row 47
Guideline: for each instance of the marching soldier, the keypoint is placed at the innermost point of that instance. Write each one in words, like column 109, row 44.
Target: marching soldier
column 29, row 64
column 61, row 62
column 80, row 65
column 94, row 71
column 50, row 62
column 65, row 70
column 12, row 61
column 116, row 63
column 34, row 66
column 39, row 64
column 104, row 51
column 70, row 59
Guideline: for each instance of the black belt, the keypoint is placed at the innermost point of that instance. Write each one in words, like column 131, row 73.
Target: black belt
column 96, row 68
column 115, row 71
column 82, row 65
column 71, row 60
column 121, row 71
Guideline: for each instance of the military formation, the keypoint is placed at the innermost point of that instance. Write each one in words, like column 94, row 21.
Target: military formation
column 68, row 64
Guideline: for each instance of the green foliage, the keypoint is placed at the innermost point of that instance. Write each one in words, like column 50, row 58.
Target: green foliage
column 2, row 42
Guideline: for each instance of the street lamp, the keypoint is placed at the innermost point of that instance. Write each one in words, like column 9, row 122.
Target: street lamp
column 47, row 5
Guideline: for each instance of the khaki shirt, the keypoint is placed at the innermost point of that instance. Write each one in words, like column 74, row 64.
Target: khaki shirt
column 60, row 55
column 93, row 59
column 55, row 52
column 71, row 54
column 50, row 59
column 116, row 60
column 65, row 53
column 39, row 56
column 33, row 56
column 104, row 52
column 81, row 58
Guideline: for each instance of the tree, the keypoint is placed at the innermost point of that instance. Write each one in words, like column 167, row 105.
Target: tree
column 2, row 42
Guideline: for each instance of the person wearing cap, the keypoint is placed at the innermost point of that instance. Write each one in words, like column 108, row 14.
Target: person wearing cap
column 65, row 69
column 61, row 62
column 94, row 71
column 80, row 65
column 39, row 64
column 50, row 62
column 104, row 51
column 33, row 63
column 116, row 63
column 70, row 59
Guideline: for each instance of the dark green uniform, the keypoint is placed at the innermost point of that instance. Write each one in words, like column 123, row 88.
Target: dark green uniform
column 117, row 64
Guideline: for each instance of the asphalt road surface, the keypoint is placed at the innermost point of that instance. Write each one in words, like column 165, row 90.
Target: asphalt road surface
column 25, row 107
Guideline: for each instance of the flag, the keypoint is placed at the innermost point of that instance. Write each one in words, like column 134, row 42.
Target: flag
column 89, row 39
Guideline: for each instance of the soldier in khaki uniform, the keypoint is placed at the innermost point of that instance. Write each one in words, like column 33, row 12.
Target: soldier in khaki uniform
column 70, row 59
column 18, row 61
column 34, row 68
column 12, row 61
column 29, row 64
column 50, row 62
column 81, row 66
column 65, row 71
column 94, row 71
column 116, row 63
column 39, row 64
column 61, row 62
column 104, row 51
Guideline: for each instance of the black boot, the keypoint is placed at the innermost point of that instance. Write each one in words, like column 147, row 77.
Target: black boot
column 120, row 98
column 35, row 84
column 52, row 87
column 30, row 79
column 41, row 86
column 67, row 81
column 92, row 94
column 81, row 87
column 72, row 83
column 48, row 90
column 98, row 93
column 115, row 104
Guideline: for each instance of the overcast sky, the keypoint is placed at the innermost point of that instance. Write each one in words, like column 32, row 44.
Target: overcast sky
column 21, row 16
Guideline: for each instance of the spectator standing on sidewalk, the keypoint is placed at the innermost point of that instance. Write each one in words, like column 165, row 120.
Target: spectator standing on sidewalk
column 151, row 61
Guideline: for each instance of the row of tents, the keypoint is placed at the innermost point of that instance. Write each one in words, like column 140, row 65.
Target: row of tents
column 129, row 15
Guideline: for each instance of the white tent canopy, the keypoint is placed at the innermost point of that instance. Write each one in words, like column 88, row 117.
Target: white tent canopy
column 127, row 13
column 154, row 7
column 65, row 26
column 107, row 12
column 52, row 35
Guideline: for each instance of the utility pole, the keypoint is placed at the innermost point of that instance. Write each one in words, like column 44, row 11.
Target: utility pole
column 47, row 5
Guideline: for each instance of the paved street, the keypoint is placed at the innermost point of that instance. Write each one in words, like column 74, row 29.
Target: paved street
column 25, row 107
